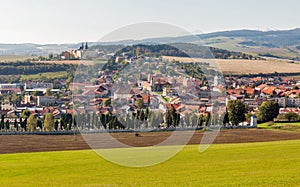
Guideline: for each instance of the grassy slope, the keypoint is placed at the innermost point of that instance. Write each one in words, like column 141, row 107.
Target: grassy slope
column 49, row 75
column 256, row 164
column 292, row 126
column 233, row 44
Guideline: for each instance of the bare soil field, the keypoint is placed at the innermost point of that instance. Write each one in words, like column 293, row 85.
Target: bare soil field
column 237, row 66
column 40, row 143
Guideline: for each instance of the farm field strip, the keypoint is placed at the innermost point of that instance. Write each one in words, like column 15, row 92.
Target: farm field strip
column 38, row 143
column 240, row 66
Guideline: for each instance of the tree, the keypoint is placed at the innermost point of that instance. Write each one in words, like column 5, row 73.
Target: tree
column 94, row 119
column 25, row 124
column 200, row 120
column 2, row 122
column 226, row 118
column 295, row 87
column 56, row 125
column 88, row 120
column 48, row 92
column 147, row 113
column 172, row 117
column 168, row 119
column 74, row 121
column 194, row 120
column 49, row 122
column 69, row 121
column 32, row 123
column 102, row 120
column 139, row 103
column 37, row 93
column 51, row 56
column 15, row 98
column 142, row 116
column 16, row 126
column 148, row 101
column 268, row 111
column 21, row 123
column 207, row 119
column 63, row 121
column 7, row 124
column 40, row 123
column 106, row 102
column 236, row 111
column 187, row 120
column 25, row 113
column 291, row 116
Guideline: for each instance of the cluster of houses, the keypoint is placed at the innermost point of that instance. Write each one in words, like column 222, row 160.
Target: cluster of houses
column 253, row 91
column 38, row 105
column 157, row 92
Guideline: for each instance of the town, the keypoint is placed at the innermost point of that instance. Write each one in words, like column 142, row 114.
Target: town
column 163, row 94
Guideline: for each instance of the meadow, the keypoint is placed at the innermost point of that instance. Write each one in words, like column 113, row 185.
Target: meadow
column 246, row 164
column 241, row 66
column 47, row 75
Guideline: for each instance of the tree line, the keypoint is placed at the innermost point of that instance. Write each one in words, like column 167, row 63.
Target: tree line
column 27, row 68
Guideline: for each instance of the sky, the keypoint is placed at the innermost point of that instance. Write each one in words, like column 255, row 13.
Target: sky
column 72, row 21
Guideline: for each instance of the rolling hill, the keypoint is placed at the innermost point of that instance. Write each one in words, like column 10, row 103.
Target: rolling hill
column 274, row 44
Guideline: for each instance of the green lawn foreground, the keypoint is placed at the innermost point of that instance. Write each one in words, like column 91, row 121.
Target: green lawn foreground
column 248, row 164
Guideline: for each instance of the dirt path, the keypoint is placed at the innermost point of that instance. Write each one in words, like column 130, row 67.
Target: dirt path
column 36, row 143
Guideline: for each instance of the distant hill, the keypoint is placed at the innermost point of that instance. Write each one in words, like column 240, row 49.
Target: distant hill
column 175, row 49
column 272, row 44
column 272, row 38
column 276, row 44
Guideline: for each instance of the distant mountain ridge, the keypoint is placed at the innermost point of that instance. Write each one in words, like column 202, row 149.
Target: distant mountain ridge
column 278, row 44
column 281, row 38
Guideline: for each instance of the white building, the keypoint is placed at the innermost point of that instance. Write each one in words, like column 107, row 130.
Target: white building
column 37, row 86
column 253, row 122
column 5, row 86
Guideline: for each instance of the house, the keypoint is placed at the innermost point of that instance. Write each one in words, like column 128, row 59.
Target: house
column 169, row 92
column 9, row 88
column 45, row 100
column 236, row 97
column 28, row 99
column 288, row 102
column 269, row 90
column 286, row 110
column 157, row 82
column 123, row 92
column 146, row 86
column 7, row 106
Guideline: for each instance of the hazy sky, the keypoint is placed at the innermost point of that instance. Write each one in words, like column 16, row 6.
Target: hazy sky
column 68, row 21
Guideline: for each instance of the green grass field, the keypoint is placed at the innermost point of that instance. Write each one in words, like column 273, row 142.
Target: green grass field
column 252, row 164
column 292, row 126
column 47, row 75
